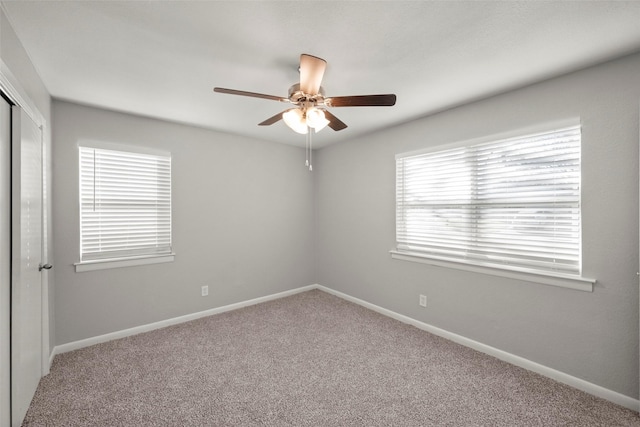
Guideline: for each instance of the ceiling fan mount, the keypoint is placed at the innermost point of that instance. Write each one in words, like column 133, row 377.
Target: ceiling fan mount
column 309, row 100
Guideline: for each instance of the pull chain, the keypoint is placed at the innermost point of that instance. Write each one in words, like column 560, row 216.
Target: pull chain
column 309, row 149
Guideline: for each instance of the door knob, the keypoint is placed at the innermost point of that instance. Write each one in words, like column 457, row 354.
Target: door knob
column 44, row 267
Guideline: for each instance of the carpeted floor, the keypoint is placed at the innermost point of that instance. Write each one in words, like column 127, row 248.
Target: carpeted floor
column 311, row 359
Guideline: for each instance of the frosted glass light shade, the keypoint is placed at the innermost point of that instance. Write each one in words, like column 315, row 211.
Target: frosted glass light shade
column 295, row 120
column 316, row 119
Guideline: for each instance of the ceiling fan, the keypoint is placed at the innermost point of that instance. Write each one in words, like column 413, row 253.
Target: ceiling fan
column 310, row 104
column 309, row 99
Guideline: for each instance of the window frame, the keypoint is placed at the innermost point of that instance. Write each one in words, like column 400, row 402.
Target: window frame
column 572, row 281
column 125, row 260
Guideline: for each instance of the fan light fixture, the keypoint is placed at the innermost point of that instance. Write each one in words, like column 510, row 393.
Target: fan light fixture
column 316, row 119
column 300, row 120
column 294, row 118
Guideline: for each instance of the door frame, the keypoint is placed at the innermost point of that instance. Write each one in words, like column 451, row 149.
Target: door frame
column 13, row 90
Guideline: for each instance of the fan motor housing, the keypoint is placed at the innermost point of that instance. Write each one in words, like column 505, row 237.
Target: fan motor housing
column 297, row 96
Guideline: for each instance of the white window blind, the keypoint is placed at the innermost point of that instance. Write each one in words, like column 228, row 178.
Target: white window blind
column 513, row 203
column 125, row 204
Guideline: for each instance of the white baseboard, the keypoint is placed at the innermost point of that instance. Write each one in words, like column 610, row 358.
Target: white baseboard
column 75, row 345
column 580, row 384
column 51, row 356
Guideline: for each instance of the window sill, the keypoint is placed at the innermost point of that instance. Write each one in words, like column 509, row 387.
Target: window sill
column 561, row 280
column 122, row 262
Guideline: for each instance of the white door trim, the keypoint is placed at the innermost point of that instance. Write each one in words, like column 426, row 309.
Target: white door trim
column 13, row 89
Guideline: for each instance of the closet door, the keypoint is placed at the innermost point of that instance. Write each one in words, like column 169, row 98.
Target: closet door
column 26, row 291
column 5, row 261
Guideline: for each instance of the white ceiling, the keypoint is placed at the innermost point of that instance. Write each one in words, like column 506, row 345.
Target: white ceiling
column 162, row 59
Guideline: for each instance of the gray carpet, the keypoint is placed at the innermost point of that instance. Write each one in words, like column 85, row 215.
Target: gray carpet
column 311, row 359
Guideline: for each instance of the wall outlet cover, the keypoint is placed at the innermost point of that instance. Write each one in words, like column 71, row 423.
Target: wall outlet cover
column 423, row 300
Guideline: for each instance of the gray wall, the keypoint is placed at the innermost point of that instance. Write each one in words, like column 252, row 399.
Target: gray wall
column 16, row 59
column 242, row 224
column 593, row 336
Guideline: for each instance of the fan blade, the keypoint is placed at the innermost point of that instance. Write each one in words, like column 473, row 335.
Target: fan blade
column 272, row 120
column 361, row 101
column 251, row 94
column 311, row 72
column 334, row 122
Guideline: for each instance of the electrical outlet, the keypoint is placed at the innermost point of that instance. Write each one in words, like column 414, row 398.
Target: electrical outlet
column 423, row 300
column 205, row 291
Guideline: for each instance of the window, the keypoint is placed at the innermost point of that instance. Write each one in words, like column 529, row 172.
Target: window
column 125, row 207
column 511, row 204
